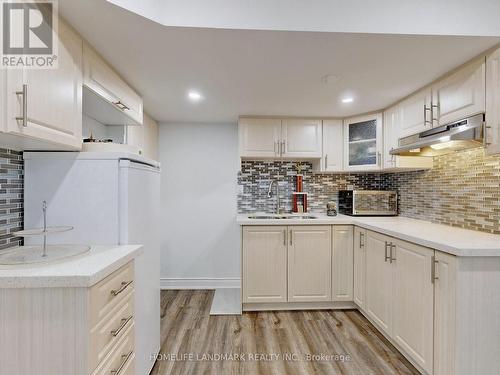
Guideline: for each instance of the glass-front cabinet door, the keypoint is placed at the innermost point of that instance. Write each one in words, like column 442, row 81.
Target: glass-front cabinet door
column 363, row 143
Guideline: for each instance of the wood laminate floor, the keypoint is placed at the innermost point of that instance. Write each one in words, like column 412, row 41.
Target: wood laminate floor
column 193, row 342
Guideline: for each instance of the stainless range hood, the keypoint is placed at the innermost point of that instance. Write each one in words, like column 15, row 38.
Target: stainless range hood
column 460, row 135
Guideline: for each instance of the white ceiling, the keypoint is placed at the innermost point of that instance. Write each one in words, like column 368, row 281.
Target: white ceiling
column 439, row 17
column 242, row 72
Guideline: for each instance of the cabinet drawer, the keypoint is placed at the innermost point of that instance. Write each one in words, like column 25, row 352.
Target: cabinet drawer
column 120, row 360
column 111, row 329
column 108, row 293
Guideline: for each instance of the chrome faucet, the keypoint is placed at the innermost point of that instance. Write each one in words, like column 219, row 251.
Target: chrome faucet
column 279, row 210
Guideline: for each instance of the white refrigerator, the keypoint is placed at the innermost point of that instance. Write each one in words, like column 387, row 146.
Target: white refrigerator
column 109, row 198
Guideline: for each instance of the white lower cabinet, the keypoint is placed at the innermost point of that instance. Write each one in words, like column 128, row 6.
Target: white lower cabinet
column 264, row 264
column 400, row 295
column 309, row 260
column 70, row 330
column 297, row 264
column 413, row 301
column 379, row 281
column 343, row 263
column 444, row 314
column 359, row 266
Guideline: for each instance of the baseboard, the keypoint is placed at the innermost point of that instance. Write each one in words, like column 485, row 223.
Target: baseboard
column 299, row 306
column 199, row 283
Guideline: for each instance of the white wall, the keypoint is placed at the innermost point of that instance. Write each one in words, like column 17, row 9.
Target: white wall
column 101, row 131
column 200, row 244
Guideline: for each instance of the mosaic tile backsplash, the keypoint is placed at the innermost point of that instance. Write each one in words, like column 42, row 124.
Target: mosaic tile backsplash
column 11, row 197
column 463, row 189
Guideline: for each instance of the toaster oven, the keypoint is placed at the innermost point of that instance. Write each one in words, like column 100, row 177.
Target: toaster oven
column 368, row 202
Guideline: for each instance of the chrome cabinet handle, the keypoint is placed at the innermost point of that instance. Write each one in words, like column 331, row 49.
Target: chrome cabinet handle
column 283, row 148
column 379, row 158
column 125, row 359
column 24, row 94
column 326, row 160
column 392, row 246
column 291, row 241
column 486, row 134
column 437, row 106
column 117, row 331
column 386, row 256
column 284, row 237
column 425, row 115
column 361, row 237
column 122, row 106
column 434, row 265
column 124, row 286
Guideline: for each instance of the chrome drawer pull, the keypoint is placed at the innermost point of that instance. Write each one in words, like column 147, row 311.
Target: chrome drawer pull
column 387, row 257
column 116, row 332
column 122, row 365
column 124, row 286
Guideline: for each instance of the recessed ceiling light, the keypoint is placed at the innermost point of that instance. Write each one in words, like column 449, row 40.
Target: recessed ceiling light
column 330, row 78
column 347, row 100
column 194, row 96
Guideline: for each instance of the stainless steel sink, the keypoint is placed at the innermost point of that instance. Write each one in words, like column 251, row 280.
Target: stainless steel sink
column 281, row 217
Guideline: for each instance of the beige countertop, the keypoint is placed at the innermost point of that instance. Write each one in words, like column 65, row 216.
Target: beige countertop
column 451, row 240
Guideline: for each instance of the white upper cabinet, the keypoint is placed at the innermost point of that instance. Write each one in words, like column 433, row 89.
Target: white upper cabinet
column 391, row 137
column 363, row 143
column 333, row 146
column 276, row 138
column 260, row 138
column 126, row 105
column 414, row 113
column 301, row 138
column 459, row 95
column 493, row 102
column 44, row 106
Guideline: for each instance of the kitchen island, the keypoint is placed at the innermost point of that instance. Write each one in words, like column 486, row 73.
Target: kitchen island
column 73, row 316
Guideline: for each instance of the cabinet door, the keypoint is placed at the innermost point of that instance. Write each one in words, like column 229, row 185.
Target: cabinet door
column 333, row 146
column 461, row 94
column 54, row 96
column 264, row 264
column 378, row 281
column 415, row 113
column 302, row 138
column 309, row 263
column 444, row 314
column 413, row 304
column 391, row 136
column 106, row 83
column 343, row 263
column 493, row 103
column 260, row 138
column 359, row 266
column 363, row 143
